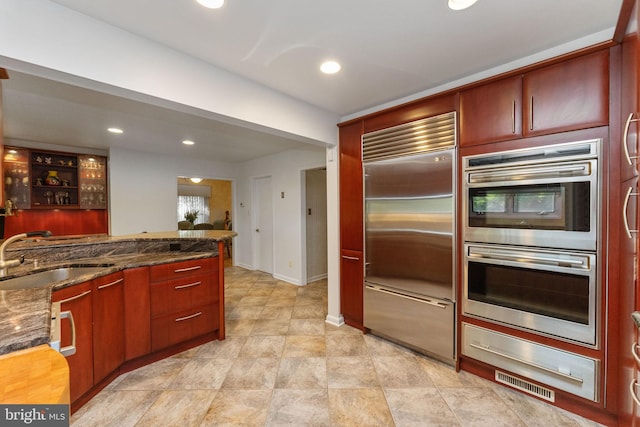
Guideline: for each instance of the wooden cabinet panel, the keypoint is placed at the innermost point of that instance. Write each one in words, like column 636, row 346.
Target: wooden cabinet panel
column 108, row 325
column 627, row 284
column 78, row 300
column 182, row 294
column 181, row 326
column 351, row 187
column 573, row 94
column 182, row 269
column 351, row 287
column 491, row 112
column 114, row 323
column 184, row 301
column 629, row 107
column 137, row 313
column 409, row 112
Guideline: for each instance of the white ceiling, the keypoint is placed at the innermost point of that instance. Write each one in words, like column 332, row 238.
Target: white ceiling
column 388, row 50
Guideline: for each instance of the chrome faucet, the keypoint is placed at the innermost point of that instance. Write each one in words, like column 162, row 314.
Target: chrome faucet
column 5, row 264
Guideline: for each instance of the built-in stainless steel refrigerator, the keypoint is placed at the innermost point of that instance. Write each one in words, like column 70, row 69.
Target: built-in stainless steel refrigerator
column 409, row 294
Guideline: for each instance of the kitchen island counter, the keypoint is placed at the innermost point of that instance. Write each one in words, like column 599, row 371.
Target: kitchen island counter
column 25, row 314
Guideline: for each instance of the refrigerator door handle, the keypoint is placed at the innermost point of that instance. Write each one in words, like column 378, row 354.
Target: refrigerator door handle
column 423, row 300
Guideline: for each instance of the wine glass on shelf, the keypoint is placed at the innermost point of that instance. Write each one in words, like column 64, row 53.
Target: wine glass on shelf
column 48, row 194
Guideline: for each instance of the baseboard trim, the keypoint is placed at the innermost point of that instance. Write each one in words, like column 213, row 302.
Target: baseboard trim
column 335, row 320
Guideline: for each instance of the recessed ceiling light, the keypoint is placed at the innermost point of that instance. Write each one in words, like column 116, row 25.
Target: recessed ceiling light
column 196, row 180
column 211, row 4
column 330, row 67
column 115, row 130
column 460, row 4
column 188, row 142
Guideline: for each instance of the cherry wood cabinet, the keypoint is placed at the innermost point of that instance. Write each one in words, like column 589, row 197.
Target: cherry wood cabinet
column 40, row 179
column 108, row 325
column 569, row 95
column 351, row 224
column 184, row 301
column 351, row 188
column 137, row 313
column 351, row 287
column 629, row 108
column 628, row 285
column 491, row 112
column 127, row 319
column 78, row 300
column 98, row 318
column 628, row 246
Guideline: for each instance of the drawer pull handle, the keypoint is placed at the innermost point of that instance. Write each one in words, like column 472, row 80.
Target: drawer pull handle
column 632, row 390
column 533, row 365
column 182, row 270
column 625, row 206
column 634, row 352
column 190, row 285
column 180, row 319
column 75, row 297
column 69, row 350
column 110, row 284
column 625, row 136
column 410, row 298
column 352, row 258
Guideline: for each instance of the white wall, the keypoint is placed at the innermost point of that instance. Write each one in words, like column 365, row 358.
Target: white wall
column 143, row 188
column 285, row 170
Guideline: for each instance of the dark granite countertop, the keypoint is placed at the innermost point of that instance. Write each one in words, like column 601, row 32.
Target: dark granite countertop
column 25, row 314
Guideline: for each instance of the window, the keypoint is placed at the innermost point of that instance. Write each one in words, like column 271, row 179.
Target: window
column 194, row 203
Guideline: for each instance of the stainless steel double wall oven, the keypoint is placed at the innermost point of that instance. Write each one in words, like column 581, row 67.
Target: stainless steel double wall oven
column 531, row 239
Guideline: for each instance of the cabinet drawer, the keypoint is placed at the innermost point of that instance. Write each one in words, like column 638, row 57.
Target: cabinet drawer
column 181, row 294
column 561, row 369
column 182, row 269
column 175, row 328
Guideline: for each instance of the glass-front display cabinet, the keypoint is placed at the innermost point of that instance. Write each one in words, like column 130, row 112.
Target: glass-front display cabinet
column 17, row 188
column 38, row 179
column 93, row 182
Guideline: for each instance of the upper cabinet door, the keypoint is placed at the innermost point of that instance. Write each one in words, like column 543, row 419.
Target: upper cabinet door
column 570, row 95
column 629, row 108
column 491, row 112
column 351, row 188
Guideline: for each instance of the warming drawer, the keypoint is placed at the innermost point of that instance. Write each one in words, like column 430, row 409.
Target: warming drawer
column 563, row 370
column 424, row 324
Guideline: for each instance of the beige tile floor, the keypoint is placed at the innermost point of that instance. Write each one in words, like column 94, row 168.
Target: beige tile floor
column 282, row 365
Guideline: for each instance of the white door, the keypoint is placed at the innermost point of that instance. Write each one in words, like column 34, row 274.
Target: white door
column 263, row 234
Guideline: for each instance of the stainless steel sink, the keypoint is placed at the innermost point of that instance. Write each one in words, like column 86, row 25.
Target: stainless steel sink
column 48, row 277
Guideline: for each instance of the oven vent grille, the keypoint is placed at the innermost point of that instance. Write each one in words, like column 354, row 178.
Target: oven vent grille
column 416, row 137
column 525, row 386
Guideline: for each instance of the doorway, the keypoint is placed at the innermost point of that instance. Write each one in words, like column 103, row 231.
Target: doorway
column 315, row 218
column 212, row 199
column 263, row 220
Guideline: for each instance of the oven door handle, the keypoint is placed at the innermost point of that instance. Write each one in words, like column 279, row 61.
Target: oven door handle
column 479, row 253
column 488, row 349
column 523, row 173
